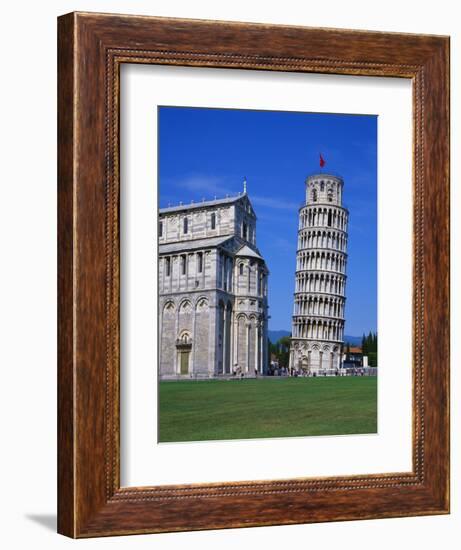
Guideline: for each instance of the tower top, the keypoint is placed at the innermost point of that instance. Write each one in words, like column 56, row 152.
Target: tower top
column 324, row 188
column 244, row 185
column 324, row 176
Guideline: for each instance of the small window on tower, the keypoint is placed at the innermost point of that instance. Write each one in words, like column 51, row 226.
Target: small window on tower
column 314, row 195
column 330, row 195
column 322, row 186
column 213, row 221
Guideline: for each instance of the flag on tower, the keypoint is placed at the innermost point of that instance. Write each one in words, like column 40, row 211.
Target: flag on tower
column 322, row 161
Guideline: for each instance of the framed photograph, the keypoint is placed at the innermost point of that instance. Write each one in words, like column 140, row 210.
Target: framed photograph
column 253, row 275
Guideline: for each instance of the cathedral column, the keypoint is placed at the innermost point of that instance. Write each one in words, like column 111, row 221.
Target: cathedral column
column 257, row 346
column 212, row 339
column 236, row 342
column 264, row 349
column 231, row 339
column 223, row 271
column 194, row 342
column 224, row 339
column 248, row 327
column 176, row 335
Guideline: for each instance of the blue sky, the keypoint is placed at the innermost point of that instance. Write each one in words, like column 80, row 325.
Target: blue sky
column 207, row 153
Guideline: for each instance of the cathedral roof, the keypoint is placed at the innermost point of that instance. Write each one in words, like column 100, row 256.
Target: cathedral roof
column 248, row 252
column 211, row 242
column 203, row 204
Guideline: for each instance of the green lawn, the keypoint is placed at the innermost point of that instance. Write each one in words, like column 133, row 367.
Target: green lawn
column 269, row 407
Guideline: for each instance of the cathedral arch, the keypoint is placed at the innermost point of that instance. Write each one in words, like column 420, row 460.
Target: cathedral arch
column 201, row 303
column 184, row 337
column 185, row 306
column 169, row 307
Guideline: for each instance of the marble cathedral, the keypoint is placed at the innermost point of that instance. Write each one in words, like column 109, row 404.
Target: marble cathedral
column 212, row 291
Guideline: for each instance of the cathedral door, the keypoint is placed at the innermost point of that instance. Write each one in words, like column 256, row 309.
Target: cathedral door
column 184, row 358
column 304, row 364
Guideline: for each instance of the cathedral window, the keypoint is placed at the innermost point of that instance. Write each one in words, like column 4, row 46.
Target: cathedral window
column 261, row 285
column 168, row 266
column 183, row 264
column 200, row 262
column 160, row 229
column 213, row 221
column 185, row 225
column 241, row 269
column 244, row 231
column 225, row 271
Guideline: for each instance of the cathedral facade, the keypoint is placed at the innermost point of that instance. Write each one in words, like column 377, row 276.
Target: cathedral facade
column 212, row 291
column 319, row 299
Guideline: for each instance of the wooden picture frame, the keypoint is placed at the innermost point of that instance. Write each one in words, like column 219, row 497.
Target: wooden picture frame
column 92, row 47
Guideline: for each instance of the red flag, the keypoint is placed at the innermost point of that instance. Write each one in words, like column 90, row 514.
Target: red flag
column 322, row 161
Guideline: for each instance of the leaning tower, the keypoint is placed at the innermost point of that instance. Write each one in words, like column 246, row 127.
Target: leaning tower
column 319, row 299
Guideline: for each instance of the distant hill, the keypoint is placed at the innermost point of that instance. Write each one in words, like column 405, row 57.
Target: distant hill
column 275, row 335
column 353, row 340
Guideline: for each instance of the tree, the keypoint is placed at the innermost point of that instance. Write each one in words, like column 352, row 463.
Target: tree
column 370, row 348
column 272, row 347
column 284, row 342
column 283, row 346
column 281, row 350
column 364, row 345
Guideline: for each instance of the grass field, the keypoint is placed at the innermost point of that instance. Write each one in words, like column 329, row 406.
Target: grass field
column 269, row 407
